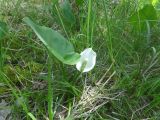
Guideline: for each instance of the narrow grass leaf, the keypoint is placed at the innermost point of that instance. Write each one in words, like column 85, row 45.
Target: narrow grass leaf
column 31, row 116
column 3, row 29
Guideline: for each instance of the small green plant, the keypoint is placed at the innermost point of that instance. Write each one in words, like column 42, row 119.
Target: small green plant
column 62, row 49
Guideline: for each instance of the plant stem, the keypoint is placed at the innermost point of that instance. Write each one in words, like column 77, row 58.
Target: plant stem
column 88, row 23
column 50, row 89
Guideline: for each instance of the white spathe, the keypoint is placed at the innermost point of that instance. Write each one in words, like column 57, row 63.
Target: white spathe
column 88, row 57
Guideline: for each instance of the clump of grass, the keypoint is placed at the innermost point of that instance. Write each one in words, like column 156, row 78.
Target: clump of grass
column 123, row 85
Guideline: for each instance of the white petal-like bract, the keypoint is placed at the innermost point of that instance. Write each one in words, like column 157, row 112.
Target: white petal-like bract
column 87, row 60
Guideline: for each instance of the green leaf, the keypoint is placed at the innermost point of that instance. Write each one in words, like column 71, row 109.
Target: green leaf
column 79, row 2
column 3, row 29
column 31, row 116
column 67, row 12
column 154, row 2
column 54, row 2
column 60, row 47
column 146, row 14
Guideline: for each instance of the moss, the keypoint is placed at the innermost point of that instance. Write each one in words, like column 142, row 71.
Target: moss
column 9, row 72
column 18, row 73
column 3, row 90
column 35, row 67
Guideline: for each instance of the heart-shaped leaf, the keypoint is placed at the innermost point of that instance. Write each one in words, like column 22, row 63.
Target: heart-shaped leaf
column 146, row 14
column 60, row 47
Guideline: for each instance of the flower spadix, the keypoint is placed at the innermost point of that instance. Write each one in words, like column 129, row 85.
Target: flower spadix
column 87, row 60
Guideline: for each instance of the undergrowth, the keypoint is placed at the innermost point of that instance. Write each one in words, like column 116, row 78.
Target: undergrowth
column 125, row 83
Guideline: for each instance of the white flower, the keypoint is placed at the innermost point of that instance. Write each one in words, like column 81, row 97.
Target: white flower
column 87, row 60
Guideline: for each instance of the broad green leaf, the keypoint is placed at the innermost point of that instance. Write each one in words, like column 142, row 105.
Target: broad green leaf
column 154, row 2
column 67, row 12
column 144, row 16
column 3, row 29
column 61, row 48
column 141, row 3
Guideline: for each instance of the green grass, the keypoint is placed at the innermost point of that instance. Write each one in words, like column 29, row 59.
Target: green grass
column 125, row 83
